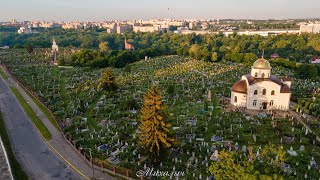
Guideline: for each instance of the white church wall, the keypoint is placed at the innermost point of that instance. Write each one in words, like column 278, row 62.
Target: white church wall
column 241, row 99
column 267, row 72
column 267, row 98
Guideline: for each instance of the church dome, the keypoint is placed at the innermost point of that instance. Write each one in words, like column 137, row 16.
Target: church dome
column 261, row 64
column 240, row 87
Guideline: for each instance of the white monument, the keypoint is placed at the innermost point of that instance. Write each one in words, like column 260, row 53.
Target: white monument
column 54, row 52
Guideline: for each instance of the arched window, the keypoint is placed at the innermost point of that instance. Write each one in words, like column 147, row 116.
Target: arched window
column 262, row 75
column 264, row 92
column 235, row 99
column 255, row 92
column 268, row 74
column 254, row 103
column 271, row 103
column 272, row 92
column 256, row 74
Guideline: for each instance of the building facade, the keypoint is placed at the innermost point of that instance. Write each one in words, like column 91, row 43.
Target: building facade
column 260, row 90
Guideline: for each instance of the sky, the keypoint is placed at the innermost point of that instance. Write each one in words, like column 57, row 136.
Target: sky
column 94, row 10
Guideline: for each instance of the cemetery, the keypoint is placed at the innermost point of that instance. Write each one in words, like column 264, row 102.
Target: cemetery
column 196, row 94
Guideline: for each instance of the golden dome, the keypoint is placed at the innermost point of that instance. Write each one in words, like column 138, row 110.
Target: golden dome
column 240, row 87
column 261, row 64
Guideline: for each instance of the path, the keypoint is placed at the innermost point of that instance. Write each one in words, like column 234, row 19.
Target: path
column 34, row 155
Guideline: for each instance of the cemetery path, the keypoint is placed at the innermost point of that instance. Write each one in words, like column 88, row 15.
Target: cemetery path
column 59, row 144
column 298, row 117
column 37, row 159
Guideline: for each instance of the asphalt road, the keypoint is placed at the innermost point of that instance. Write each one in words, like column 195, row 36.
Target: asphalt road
column 39, row 161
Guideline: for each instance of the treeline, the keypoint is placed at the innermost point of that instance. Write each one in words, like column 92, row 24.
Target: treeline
column 295, row 47
column 303, row 70
column 114, row 58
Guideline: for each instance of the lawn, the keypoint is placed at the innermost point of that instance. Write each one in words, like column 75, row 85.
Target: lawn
column 35, row 119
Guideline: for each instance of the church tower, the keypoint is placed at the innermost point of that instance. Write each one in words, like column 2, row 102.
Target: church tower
column 261, row 69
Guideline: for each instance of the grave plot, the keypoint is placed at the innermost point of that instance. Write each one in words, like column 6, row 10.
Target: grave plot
column 194, row 93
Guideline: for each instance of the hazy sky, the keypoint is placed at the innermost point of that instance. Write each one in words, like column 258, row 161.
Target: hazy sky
column 144, row 9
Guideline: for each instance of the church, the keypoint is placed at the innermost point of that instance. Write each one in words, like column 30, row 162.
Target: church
column 260, row 90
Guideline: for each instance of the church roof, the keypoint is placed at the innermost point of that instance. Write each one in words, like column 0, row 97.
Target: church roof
column 261, row 64
column 252, row 80
column 285, row 89
column 286, row 79
column 240, row 87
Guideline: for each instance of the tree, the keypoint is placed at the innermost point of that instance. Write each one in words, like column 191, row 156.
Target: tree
column 107, row 80
column 154, row 127
column 307, row 71
column 229, row 168
column 214, row 56
column 104, row 48
column 171, row 89
column 194, row 51
column 29, row 48
column 61, row 61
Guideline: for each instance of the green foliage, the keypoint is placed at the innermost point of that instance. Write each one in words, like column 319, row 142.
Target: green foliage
column 284, row 63
column 28, row 48
column 35, row 119
column 307, row 71
column 232, row 165
column 104, row 48
column 107, row 80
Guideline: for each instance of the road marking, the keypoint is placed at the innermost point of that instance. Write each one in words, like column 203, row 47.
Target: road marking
column 78, row 171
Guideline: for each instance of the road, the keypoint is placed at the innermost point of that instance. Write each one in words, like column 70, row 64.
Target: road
column 59, row 143
column 38, row 160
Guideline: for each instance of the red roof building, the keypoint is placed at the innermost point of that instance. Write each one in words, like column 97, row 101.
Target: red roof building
column 274, row 56
column 315, row 59
column 128, row 46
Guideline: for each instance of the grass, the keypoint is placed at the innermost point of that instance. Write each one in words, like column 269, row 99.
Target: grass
column 35, row 119
column 16, row 169
column 44, row 109
column 5, row 77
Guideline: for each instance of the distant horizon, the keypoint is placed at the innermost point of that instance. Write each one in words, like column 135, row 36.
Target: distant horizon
column 107, row 20
column 99, row 10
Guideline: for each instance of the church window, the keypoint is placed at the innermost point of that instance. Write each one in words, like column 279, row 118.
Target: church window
column 264, row 92
column 262, row 75
column 271, row 103
column 254, row 103
column 256, row 74
column 235, row 99
column 255, row 92
column 272, row 92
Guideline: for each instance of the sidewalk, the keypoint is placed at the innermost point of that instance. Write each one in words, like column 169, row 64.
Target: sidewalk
column 58, row 143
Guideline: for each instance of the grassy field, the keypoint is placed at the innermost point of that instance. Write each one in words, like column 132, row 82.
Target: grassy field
column 3, row 75
column 35, row 119
column 17, row 171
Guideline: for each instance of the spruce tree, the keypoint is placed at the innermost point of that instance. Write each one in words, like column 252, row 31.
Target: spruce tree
column 107, row 80
column 154, row 127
